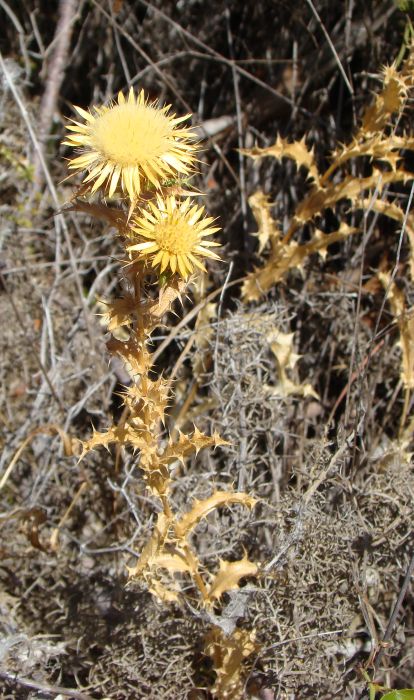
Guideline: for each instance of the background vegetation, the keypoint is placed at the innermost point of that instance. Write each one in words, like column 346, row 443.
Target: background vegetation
column 307, row 371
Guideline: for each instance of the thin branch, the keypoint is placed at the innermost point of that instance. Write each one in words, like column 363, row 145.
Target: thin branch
column 55, row 75
column 49, row 689
column 333, row 49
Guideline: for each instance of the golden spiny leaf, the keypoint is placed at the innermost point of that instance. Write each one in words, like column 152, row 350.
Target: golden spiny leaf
column 405, row 319
column 156, row 475
column 201, row 509
column 268, row 229
column 379, row 147
column 393, row 211
column 389, row 101
column 167, row 296
column 153, row 547
column 325, row 193
column 135, row 357
column 122, row 434
column 161, row 591
column 289, row 256
column 228, row 654
column 155, row 400
column 286, row 256
column 229, row 575
column 295, row 150
column 151, row 311
column 189, row 444
column 281, row 345
column 178, row 561
column 171, row 562
column 350, row 188
column 119, row 312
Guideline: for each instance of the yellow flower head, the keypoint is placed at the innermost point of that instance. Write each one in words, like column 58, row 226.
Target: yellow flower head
column 174, row 231
column 129, row 144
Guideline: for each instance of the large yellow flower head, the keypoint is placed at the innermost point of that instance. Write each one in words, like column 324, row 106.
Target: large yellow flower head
column 175, row 235
column 130, row 144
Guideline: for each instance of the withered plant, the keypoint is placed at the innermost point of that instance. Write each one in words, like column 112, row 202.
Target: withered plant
column 339, row 189
column 136, row 153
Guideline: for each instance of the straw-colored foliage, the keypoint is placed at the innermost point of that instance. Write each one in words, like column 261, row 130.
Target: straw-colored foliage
column 336, row 186
column 331, row 189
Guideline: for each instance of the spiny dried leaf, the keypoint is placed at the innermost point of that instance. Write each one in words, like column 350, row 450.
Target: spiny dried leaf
column 119, row 312
column 281, row 345
column 155, row 399
column 393, row 211
column 167, row 295
column 173, row 563
column 228, row 654
column 123, row 434
column 229, row 575
column 287, row 387
column 190, row 444
column 134, row 355
column 287, row 255
column 160, row 591
column 153, row 548
column 350, row 188
column 395, row 90
column 161, row 555
column 181, row 560
column 377, row 146
column 201, row 509
column 114, row 217
column 405, row 319
column 390, row 101
column 290, row 256
column 295, row 150
column 267, row 226
column 156, row 477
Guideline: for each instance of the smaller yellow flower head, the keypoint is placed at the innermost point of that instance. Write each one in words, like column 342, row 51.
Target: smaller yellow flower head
column 174, row 231
column 130, row 144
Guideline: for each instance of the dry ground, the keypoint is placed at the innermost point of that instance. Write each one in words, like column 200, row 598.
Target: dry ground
column 334, row 477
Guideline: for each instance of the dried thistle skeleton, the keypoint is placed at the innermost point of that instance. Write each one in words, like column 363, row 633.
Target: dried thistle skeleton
column 376, row 140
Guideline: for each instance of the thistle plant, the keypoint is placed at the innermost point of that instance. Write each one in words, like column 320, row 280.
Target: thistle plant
column 376, row 138
column 136, row 152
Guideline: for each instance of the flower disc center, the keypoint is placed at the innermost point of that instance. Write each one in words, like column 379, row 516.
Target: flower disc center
column 175, row 237
column 131, row 134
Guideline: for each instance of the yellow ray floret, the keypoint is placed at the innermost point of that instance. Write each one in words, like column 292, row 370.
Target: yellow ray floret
column 130, row 144
column 175, row 235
